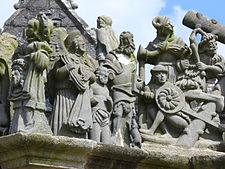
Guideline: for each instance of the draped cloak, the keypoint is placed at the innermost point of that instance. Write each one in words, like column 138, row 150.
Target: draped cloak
column 72, row 109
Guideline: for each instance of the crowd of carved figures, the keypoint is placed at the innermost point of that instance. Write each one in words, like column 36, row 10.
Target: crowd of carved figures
column 50, row 85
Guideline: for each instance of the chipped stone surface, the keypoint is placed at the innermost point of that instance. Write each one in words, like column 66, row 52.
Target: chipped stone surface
column 45, row 151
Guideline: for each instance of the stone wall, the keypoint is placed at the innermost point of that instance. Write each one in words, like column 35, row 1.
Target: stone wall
column 34, row 151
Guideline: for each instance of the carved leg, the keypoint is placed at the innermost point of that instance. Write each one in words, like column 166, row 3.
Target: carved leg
column 106, row 135
column 177, row 121
column 191, row 133
column 136, row 134
column 196, row 128
column 95, row 132
column 28, row 117
column 152, row 111
column 117, row 119
column 22, row 120
column 164, row 130
column 158, row 120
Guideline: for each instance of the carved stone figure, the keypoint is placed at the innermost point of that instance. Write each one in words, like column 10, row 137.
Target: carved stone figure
column 207, row 106
column 180, row 105
column 208, row 61
column 8, row 45
column 27, row 87
column 166, row 49
column 193, row 107
column 163, row 96
column 121, row 63
column 106, row 39
column 73, row 74
column 195, row 19
column 102, row 105
column 214, row 31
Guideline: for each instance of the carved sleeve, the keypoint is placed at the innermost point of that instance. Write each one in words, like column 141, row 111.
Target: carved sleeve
column 62, row 72
column 2, row 68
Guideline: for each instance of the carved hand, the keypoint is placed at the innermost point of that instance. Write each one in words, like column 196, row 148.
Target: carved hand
column 70, row 66
column 149, row 95
column 86, row 76
column 185, row 63
column 163, row 46
column 176, row 49
column 201, row 66
column 112, row 74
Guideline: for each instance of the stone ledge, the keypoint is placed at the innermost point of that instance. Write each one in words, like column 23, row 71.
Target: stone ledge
column 34, row 151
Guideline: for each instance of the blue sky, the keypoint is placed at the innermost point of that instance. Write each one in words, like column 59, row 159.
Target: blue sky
column 136, row 15
column 128, row 14
column 210, row 8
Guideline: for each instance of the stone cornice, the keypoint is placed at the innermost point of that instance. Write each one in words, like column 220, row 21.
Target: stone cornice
column 45, row 151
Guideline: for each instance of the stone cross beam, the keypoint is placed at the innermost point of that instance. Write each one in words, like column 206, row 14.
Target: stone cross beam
column 195, row 19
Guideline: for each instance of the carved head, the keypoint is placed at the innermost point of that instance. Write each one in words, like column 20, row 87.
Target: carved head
column 104, row 21
column 46, row 26
column 159, row 74
column 39, row 29
column 126, row 45
column 164, row 27
column 17, row 72
column 102, row 75
column 75, row 43
column 32, row 30
column 208, row 44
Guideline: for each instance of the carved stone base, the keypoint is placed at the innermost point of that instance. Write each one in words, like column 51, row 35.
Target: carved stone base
column 20, row 151
column 201, row 143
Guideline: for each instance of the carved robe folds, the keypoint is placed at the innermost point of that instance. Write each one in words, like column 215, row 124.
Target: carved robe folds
column 29, row 95
column 72, row 110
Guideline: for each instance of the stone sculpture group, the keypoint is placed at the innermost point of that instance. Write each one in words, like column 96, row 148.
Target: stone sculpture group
column 106, row 98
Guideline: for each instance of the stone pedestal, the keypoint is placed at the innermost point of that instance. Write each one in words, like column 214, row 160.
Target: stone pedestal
column 20, row 151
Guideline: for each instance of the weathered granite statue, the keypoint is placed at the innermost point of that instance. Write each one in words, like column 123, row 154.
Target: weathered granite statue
column 102, row 106
column 161, row 94
column 188, row 107
column 106, row 39
column 195, row 19
column 166, row 49
column 182, row 100
column 208, row 61
column 27, row 87
column 73, row 74
column 215, row 31
column 121, row 63
column 190, row 112
column 8, row 45
column 208, row 103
